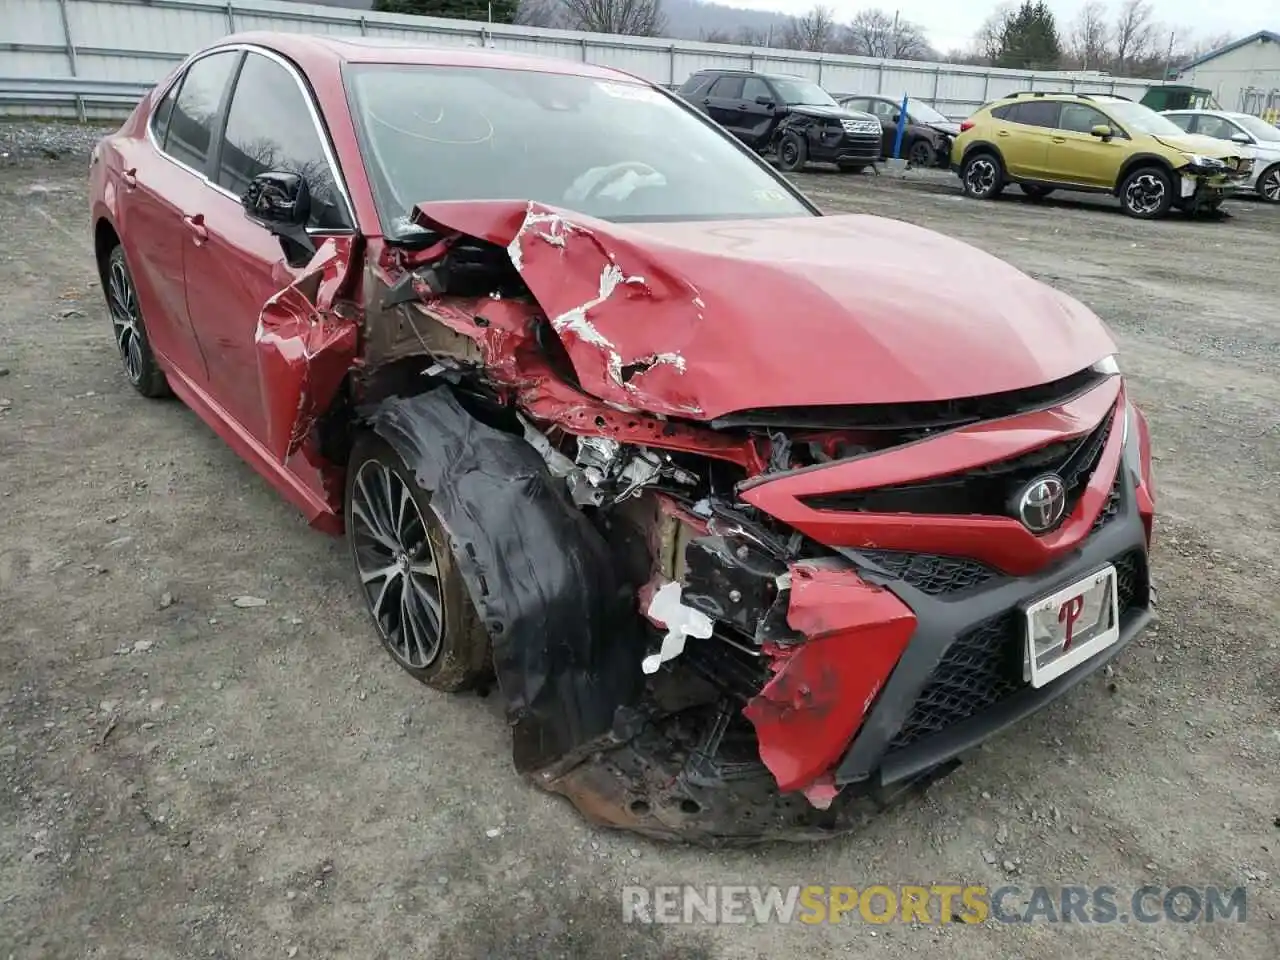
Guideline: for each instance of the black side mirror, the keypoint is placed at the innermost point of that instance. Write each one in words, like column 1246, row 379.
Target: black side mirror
column 765, row 101
column 281, row 202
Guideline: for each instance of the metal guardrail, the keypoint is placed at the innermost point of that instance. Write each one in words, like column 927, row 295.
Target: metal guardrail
column 82, row 91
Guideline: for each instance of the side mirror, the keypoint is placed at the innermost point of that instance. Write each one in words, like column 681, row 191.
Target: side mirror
column 1101, row 131
column 1241, row 138
column 277, row 198
column 765, row 101
column 897, row 116
column 281, row 202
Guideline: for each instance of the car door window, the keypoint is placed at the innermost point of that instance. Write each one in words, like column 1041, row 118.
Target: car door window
column 1215, row 127
column 884, row 109
column 160, row 116
column 1079, row 118
column 194, row 116
column 1182, row 120
column 755, row 87
column 1035, row 113
column 857, row 103
column 727, row 88
column 270, row 127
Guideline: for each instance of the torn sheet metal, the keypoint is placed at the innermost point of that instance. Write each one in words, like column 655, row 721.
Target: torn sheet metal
column 806, row 716
column 305, row 347
column 567, row 643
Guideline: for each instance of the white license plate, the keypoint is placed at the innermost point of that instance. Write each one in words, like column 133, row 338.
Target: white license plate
column 1068, row 628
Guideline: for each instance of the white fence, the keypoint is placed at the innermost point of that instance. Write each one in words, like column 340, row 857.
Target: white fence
column 115, row 49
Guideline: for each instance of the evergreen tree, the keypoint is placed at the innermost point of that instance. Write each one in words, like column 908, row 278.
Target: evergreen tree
column 504, row 11
column 1029, row 38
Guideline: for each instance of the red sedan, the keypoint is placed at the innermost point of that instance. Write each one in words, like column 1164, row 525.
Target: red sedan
column 746, row 531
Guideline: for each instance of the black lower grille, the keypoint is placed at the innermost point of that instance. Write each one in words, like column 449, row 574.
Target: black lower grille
column 1112, row 505
column 984, row 665
column 931, row 573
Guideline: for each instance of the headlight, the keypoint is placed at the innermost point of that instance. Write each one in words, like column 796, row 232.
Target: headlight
column 1107, row 366
column 1195, row 160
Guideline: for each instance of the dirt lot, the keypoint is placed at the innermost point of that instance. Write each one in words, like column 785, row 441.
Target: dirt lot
column 180, row 777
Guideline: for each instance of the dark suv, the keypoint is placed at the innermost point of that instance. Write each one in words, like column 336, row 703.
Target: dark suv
column 791, row 117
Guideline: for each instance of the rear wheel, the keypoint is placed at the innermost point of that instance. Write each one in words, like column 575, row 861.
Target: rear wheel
column 406, row 571
column 1147, row 193
column 127, row 328
column 982, row 176
column 793, row 152
column 1269, row 184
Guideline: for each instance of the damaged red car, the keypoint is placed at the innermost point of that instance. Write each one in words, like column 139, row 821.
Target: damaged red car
column 746, row 533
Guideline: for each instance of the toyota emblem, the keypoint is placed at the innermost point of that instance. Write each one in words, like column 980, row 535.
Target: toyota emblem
column 1042, row 503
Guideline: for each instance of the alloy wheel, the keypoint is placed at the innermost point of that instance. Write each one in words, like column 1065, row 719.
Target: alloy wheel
column 921, row 154
column 122, row 301
column 397, row 564
column 788, row 153
column 1270, row 185
column 980, row 177
column 1145, row 194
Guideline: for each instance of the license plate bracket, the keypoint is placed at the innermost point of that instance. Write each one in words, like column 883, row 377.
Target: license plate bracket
column 1071, row 625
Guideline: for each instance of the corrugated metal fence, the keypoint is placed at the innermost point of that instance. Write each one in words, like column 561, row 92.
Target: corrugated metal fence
column 97, row 57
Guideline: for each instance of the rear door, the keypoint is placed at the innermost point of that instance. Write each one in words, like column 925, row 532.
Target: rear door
column 1023, row 131
column 1077, row 157
column 237, row 265
column 162, row 174
column 757, row 118
column 723, row 102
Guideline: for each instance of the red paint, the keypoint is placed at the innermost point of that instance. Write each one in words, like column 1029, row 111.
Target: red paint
column 1000, row 541
column 807, row 714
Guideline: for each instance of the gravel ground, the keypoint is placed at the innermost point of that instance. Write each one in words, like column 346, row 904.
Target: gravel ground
column 23, row 141
column 183, row 777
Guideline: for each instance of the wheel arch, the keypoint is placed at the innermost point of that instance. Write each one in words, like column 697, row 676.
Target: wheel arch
column 983, row 146
column 1142, row 160
column 105, row 239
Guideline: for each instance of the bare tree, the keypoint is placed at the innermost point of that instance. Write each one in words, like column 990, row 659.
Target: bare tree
column 1091, row 36
column 751, row 37
column 537, row 13
column 815, row 31
column 1135, row 33
column 873, row 33
column 637, row 18
column 989, row 40
column 715, row 36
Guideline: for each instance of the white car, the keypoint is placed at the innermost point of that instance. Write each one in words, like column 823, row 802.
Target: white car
column 1263, row 140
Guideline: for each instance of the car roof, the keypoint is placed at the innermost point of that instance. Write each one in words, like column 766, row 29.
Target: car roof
column 338, row 50
column 1226, row 114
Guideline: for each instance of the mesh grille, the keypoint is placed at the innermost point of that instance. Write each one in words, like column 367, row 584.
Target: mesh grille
column 933, row 574
column 1112, row 505
column 984, row 665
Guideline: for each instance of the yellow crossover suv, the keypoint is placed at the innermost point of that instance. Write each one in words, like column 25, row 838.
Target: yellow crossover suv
column 1102, row 144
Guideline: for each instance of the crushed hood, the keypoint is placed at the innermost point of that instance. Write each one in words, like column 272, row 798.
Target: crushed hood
column 1205, row 146
column 704, row 319
column 828, row 112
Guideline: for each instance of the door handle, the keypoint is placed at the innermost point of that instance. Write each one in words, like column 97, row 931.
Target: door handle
column 195, row 223
column 130, row 177
column 1003, row 133
column 1059, row 139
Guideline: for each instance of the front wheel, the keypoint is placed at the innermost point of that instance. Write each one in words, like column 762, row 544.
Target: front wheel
column 1147, row 193
column 793, row 152
column 921, row 154
column 406, row 571
column 1269, row 184
column 982, row 176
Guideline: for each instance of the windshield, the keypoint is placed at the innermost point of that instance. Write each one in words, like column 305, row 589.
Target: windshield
column 614, row 150
column 1139, row 119
column 1260, row 129
column 924, row 113
column 799, row 93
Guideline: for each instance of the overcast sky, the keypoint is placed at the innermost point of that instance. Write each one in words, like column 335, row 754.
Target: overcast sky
column 951, row 24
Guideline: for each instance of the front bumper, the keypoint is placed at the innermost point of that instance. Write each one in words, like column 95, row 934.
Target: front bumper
column 845, row 148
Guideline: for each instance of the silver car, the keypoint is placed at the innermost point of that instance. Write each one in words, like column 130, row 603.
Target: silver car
column 1263, row 140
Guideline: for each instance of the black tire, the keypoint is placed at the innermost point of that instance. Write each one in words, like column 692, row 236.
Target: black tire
column 128, row 330
column 793, row 152
column 921, row 154
column 458, row 654
column 1269, row 184
column 1035, row 191
column 852, row 167
column 982, row 175
column 1146, row 193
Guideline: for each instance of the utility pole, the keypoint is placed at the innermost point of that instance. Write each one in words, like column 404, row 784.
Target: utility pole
column 1168, row 60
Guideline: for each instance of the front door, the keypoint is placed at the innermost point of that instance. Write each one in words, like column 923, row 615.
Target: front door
column 1076, row 156
column 233, row 265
